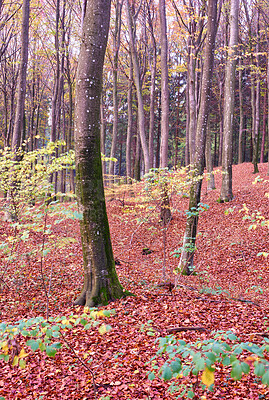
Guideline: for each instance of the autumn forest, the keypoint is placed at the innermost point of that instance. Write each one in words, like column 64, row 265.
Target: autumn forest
column 134, row 149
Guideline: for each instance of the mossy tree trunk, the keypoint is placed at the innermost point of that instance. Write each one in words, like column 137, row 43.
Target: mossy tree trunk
column 101, row 283
column 186, row 260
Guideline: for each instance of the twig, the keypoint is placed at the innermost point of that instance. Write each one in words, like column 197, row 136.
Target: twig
column 83, row 363
column 186, row 328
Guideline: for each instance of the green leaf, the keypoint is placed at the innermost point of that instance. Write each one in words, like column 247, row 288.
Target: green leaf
column 265, row 378
column 34, row 344
column 245, row 367
column 167, row 373
column 236, row 372
column 175, row 366
column 190, row 394
column 42, row 346
column 259, row 369
column 151, row 376
column 51, row 351
column 200, row 364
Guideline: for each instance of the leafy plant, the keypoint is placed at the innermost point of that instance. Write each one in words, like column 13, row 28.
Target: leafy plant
column 45, row 335
column 200, row 360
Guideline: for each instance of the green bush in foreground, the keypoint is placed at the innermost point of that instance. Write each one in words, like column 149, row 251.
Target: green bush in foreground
column 199, row 361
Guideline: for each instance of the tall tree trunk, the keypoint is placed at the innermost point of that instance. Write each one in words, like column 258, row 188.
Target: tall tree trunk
column 102, row 134
column 268, row 102
column 130, row 121
column 186, row 259
column 153, row 69
column 241, row 115
column 116, row 47
column 257, row 105
column 208, row 159
column 21, row 89
column 263, row 126
column 226, row 193
column 164, row 87
column 101, row 283
column 138, row 85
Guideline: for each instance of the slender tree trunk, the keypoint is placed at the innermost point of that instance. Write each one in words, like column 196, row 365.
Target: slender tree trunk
column 257, row 105
column 268, row 103
column 208, row 159
column 138, row 84
column 164, row 87
column 241, row 115
column 116, row 47
column 21, row 89
column 101, row 283
column 102, row 134
column 186, row 260
column 226, row 193
column 263, row 126
column 130, row 122
column 153, row 67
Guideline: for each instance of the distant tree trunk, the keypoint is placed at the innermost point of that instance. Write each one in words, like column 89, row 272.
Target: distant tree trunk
column 102, row 134
column 130, row 121
column 138, row 84
column 256, row 133
column 241, row 115
column 186, row 260
column 268, row 102
column 101, row 283
column 21, row 89
column 153, row 68
column 226, row 193
column 116, row 47
column 164, row 87
column 263, row 127
column 208, row 159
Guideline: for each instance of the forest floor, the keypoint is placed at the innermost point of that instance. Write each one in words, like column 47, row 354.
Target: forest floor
column 230, row 291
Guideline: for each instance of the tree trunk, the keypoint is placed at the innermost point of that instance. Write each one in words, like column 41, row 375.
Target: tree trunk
column 138, row 84
column 186, row 259
column 241, row 115
column 226, row 193
column 21, row 89
column 263, row 127
column 116, row 48
column 153, row 69
column 208, row 159
column 164, row 87
column 130, row 121
column 101, row 283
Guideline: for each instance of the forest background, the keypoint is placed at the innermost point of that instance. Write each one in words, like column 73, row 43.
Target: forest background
column 184, row 83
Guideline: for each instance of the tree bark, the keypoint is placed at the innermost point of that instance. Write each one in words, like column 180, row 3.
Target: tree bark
column 241, row 115
column 138, row 85
column 116, row 47
column 130, row 121
column 101, row 283
column 21, row 89
column 186, row 260
column 226, row 193
column 164, row 87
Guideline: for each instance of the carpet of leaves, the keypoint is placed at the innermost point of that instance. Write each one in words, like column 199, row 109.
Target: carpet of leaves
column 229, row 292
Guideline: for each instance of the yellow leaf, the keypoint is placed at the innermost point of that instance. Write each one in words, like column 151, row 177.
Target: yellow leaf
column 22, row 353
column 100, row 314
column 5, row 347
column 15, row 361
column 208, row 377
column 102, row 329
column 22, row 364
